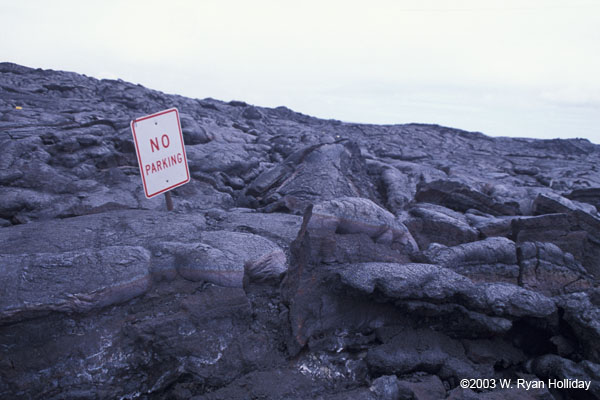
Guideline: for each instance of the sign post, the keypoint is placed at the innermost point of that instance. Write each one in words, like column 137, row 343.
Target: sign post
column 169, row 201
column 160, row 153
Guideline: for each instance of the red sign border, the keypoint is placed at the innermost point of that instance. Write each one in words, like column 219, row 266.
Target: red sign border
column 137, row 151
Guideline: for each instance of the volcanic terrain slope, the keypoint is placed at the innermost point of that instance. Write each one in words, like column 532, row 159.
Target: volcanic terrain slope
column 305, row 259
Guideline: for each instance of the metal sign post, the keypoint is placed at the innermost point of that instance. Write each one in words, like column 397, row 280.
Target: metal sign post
column 169, row 201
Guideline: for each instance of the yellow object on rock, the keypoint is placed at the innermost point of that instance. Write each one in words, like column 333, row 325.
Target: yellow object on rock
column 19, row 107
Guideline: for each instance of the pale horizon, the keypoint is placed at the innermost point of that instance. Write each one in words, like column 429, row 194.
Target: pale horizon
column 503, row 68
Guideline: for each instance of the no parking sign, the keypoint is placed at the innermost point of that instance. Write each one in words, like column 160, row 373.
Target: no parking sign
column 160, row 151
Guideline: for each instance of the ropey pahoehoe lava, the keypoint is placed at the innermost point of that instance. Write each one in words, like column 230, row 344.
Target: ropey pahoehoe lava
column 305, row 259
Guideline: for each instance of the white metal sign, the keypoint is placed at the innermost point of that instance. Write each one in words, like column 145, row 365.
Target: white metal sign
column 160, row 151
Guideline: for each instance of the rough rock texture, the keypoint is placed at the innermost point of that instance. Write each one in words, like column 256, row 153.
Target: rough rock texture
column 490, row 260
column 430, row 223
column 305, row 259
column 120, row 274
column 317, row 172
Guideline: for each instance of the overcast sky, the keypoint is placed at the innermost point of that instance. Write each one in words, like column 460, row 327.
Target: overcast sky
column 502, row 67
